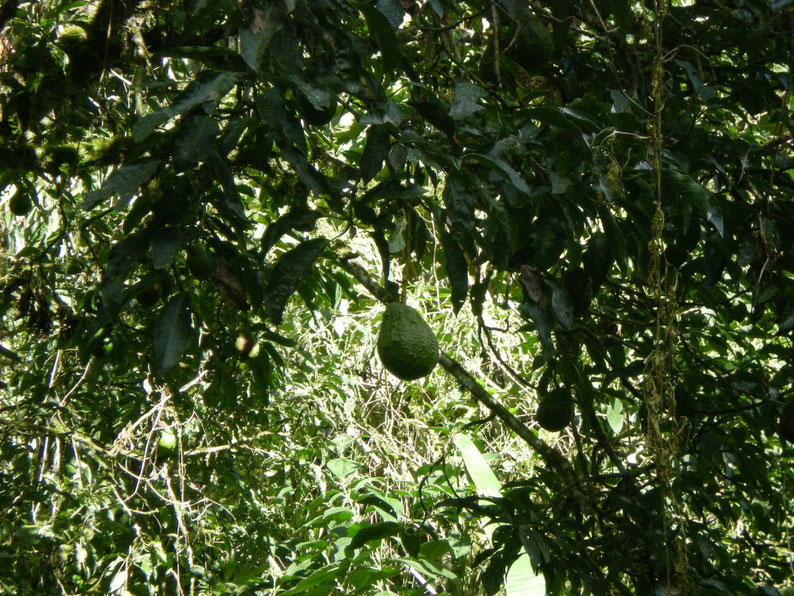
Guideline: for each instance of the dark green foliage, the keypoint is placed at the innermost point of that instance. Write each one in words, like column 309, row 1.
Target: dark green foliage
column 187, row 145
column 407, row 346
column 786, row 423
column 533, row 47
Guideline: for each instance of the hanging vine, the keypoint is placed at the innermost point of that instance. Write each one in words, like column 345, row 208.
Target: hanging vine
column 658, row 393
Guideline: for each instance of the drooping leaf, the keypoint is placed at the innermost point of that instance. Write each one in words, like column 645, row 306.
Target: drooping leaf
column 376, row 150
column 457, row 270
column 384, row 35
column 290, row 270
column 172, row 333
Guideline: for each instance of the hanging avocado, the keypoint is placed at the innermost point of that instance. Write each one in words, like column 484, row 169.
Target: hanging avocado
column 20, row 203
column 555, row 411
column 200, row 263
column 533, row 47
column 407, row 346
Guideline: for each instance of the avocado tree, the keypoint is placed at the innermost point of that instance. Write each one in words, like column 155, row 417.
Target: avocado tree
column 595, row 196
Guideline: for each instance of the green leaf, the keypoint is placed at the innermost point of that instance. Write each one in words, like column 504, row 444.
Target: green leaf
column 562, row 305
column 522, row 580
column 325, row 576
column 209, row 92
column 688, row 189
column 503, row 169
column 480, row 472
column 195, row 142
column 290, row 270
column 379, row 27
column 376, row 150
column 297, row 219
column 457, row 270
column 377, row 531
column 615, row 416
column 393, row 11
column 164, row 246
column 459, row 203
column 124, row 181
column 172, row 333
column 342, row 467
column 266, row 21
column 465, row 100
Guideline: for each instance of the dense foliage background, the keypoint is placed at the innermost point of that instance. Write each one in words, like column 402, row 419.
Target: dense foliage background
column 205, row 205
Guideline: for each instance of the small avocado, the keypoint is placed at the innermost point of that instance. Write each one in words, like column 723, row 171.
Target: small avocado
column 167, row 441
column 20, row 203
column 200, row 263
column 407, row 346
column 555, row 411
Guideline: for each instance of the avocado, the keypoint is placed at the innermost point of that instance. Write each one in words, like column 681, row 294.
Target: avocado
column 200, row 262
column 533, row 47
column 167, row 441
column 407, row 346
column 555, row 411
column 20, row 203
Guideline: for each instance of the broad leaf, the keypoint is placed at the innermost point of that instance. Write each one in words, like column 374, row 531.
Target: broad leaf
column 290, row 270
column 172, row 333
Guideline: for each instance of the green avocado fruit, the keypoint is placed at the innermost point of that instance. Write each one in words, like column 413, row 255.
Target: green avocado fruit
column 533, row 47
column 167, row 441
column 407, row 346
column 555, row 411
column 200, row 263
column 20, row 203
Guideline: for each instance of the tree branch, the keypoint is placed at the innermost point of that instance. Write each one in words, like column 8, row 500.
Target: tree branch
column 551, row 457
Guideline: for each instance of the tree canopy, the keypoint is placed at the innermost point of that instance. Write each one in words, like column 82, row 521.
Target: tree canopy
column 206, row 206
